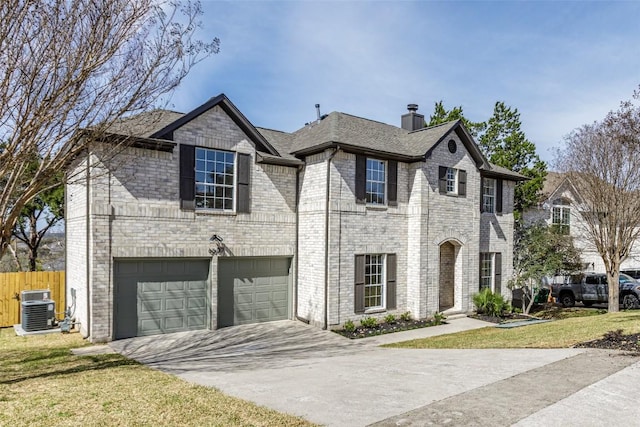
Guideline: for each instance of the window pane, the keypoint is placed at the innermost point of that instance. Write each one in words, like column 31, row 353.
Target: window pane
column 214, row 179
column 375, row 181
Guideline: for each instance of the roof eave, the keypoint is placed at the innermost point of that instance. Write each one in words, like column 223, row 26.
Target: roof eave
column 357, row 150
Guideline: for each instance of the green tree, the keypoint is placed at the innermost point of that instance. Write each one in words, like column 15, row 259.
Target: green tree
column 504, row 143
column 38, row 217
column 442, row 115
column 539, row 251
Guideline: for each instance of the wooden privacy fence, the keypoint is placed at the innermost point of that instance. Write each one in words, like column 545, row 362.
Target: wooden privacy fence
column 11, row 284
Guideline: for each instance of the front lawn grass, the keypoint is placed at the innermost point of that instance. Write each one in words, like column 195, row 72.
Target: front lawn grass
column 42, row 383
column 557, row 334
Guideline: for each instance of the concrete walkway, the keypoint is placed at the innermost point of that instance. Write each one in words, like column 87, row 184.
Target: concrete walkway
column 330, row 380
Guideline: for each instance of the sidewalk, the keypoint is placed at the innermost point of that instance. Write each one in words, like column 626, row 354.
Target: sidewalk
column 453, row 325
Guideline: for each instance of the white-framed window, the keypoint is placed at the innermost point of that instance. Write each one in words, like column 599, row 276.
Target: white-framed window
column 376, row 184
column 374, row 281
column 486, row 270
column 488, row 195
column 452, row 180
column 215, row 179
column 561, row 219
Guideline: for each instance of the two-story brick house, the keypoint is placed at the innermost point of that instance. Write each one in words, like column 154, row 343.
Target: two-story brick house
column 206, row 221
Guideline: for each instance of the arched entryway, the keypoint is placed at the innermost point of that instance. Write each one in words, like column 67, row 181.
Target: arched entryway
column 447, row 280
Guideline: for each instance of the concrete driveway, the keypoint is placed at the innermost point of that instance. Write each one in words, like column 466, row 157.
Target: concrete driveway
column 330, row 380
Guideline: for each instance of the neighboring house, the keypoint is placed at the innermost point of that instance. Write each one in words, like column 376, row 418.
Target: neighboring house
column 207, row 221
column 559, row 207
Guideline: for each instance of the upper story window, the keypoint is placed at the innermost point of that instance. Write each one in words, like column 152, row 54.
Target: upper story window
column 452, row 181
column 488, row 195
column 215, row 179
column 561, row 218
column 376, row 182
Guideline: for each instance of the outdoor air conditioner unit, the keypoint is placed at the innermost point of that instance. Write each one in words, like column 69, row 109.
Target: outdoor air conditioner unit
column 38, row 315
column 35, row 295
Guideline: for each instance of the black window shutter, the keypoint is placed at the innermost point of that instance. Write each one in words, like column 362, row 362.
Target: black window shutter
column 243, row 204
column 497, row 281
column 392, row 183
column 498, row 196
column 187, row 177
column 361, row 178
column 391, row 282
column 359, row 284
column 462, row 183
column 480, row 271
column 481, row 194
column 442, row 178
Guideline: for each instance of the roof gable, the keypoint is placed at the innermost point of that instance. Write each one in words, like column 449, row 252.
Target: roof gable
column 232, row 111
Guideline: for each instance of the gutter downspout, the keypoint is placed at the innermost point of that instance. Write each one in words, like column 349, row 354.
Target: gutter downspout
column 326, row 239
column 297, row 262
column 88, row 245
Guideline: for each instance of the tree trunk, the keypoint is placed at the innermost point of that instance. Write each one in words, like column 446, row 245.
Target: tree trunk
column 614, row 289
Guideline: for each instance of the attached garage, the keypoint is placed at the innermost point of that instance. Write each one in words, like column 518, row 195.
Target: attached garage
column 160, row 296
column 252, row 290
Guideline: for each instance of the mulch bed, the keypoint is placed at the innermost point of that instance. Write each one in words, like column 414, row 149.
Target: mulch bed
column 387, row 328
column 614, row 340
column 507, row 317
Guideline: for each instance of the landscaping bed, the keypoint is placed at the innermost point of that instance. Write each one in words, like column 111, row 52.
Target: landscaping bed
column 614, row 340
column 370, row 326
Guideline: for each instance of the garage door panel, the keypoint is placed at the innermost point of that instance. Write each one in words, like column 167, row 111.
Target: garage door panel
column 196, row 303
column 175, row 286
column 150, row 287
column 174, row 304
column 168, row 296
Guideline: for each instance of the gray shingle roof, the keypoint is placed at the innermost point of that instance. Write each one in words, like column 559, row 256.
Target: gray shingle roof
column 348, row 131
column 144, row 124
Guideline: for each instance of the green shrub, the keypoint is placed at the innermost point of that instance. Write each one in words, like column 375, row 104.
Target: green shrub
column 390, row 318
column 369, row 322
column 406, row 316
column 349, row 326
column 489, row 303
column 438, row 318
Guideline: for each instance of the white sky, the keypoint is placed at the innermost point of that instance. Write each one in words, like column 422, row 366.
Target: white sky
column 561, row 64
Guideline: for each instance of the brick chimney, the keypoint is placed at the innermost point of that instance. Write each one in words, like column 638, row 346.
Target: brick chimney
column 412, row 120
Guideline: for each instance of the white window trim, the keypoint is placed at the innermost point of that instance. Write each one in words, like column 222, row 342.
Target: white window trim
column 235, row 182
column 492, row 206
column 562, row 209
column 386, row 182
column 383, row 284
column 492, row 277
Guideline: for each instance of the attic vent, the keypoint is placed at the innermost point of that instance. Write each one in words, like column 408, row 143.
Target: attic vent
column 412, row 120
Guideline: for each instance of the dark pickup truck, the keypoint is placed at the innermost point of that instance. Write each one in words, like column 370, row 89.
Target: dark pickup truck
column 592, row 288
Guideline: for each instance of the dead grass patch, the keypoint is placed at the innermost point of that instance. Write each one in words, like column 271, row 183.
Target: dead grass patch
column 42, row 383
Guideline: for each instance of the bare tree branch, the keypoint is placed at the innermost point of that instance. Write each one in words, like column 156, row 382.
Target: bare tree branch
column 601, row 160
column 69, row 65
